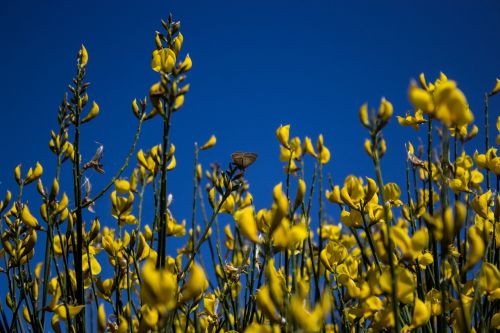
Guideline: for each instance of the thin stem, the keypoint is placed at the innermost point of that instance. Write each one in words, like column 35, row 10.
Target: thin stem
column 486, row 138
column 205, row 234
column 320, row 217
column 388, row 222
column 163, row 190
column 77, row 187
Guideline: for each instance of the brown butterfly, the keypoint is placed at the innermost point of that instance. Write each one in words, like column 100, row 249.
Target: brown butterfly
column 242, row 160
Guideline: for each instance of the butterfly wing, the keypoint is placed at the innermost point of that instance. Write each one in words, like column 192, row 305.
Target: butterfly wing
column 242, row 159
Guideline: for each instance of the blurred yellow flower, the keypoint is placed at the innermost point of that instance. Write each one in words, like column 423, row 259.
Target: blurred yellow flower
column 210, row 143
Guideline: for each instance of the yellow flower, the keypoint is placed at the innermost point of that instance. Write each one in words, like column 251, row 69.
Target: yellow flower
column 421, row 99
column 179, row 102
column 351, row 218
column 347, row 275
column 495, row 321
column 260, row 328
column 490, row 281
column 452, row 224
column 122, row 186
column 163, row 60
column 122, row 206
column 195, row 285
column 372, row 305
column 276, row 281
column 293, row 152
column 363, row 115
column 159, row 287
column 101, row 319
column 433, row 301
column 334, row 195
column 309, row 321
column 95, row 267
column 174, row 228
column 177, row 43
column 308, row 147
column 392, row 194
column 413, row 121
column 94, row 111
column 186, row 65
column 331, row 231
column 489, row 161
column 135, row 108
column 323, row 152
column 385, row 110
column 245, row 219
column 210, row 143
column 280, row 207
column 412, row 247
column 143, row 250
column 462, row 132
column 405, row 284
column 150, row 317
column 286, row 237
column 332, row 255
column 421, row 315
column 283, row 135
column 65, row 311
column 301, row 191
column 266, row 304
column 481, row 206
column 451, row 105
column 477, row 247
column 352, row 193
column 84, row 56
column 496, row 88
column 442, row 100
column 28, row 218
column 34, row 174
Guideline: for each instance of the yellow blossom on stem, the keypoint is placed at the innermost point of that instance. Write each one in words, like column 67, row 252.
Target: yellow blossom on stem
column 245, row 219
column 332, row 255
column 159, row 287
column 421, row 316
column 323, row 151
column 196, row 284
column 363, row 115
column 84, row 56
column 413, row 121
column 308, row 147
column 163, row 60
column 283, row 135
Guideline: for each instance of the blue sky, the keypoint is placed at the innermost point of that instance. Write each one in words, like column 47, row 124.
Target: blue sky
column 256, row 65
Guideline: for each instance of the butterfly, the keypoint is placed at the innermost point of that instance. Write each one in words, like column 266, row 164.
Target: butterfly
column 95, row 162
column 242, row 160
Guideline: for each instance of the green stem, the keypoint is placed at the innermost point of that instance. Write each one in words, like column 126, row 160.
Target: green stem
column 320, row 217
column 195, row 188
column 162, row 238
column 204, row 236
column 388, row 222
column 77, row 187
column 487, row 137
column 370, row 241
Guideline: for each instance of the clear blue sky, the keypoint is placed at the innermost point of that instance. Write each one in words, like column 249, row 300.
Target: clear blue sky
column 256, row 65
